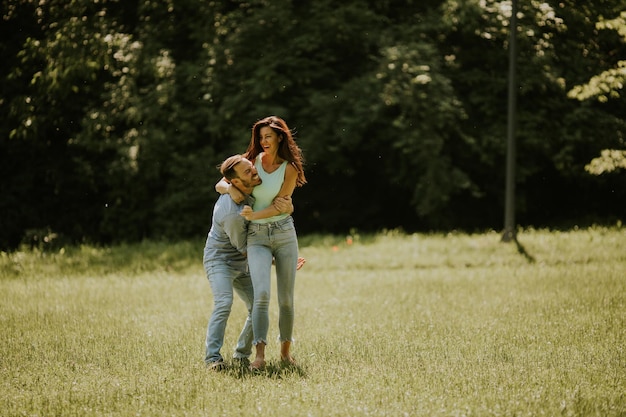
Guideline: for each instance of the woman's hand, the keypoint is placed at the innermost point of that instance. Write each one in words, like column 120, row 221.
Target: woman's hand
column 224, row 187
column 235, row 194
column 247, row 213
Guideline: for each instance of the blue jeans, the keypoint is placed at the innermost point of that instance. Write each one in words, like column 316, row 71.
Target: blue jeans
column 276, row 240
column 224, row 279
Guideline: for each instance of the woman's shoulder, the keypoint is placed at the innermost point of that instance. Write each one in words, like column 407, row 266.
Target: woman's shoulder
column 290, row 169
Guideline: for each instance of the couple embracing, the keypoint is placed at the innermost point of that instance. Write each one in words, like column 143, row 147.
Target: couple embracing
column 252, row 228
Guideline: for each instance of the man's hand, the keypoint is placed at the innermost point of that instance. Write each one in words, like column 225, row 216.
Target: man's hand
column 247, row 212
column 301, row 262
column 283, row 204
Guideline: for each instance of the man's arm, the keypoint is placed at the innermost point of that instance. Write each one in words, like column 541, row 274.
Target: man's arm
column 283, row 204
column 235, row 228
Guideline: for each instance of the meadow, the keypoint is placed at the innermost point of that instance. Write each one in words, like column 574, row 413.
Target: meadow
column 390, row 324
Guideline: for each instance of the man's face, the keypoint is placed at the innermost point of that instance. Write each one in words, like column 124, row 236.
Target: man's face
column 247, row 176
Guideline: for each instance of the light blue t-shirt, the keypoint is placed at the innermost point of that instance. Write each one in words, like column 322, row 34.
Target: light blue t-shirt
column 226, row 241
column 270, row 187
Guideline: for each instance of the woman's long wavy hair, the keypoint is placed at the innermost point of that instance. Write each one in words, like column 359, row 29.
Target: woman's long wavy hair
column 287, row 149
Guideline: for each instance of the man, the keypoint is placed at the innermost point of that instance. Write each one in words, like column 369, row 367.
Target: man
column 225, row 261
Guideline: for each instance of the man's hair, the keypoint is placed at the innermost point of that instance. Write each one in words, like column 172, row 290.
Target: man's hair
column 228, row 167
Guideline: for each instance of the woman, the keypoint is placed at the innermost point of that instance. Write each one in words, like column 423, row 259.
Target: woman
column 271, row 234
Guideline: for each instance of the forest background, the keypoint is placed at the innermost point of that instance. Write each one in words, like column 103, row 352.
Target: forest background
column 114, row 114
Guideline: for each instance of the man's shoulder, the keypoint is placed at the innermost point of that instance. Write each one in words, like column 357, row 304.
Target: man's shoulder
column 225, row 207
column 225, row 202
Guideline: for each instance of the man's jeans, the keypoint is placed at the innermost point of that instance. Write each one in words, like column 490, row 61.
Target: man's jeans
column 223, row 279
column 277, row 240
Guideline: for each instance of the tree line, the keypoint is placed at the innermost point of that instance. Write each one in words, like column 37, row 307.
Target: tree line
column 114, row 114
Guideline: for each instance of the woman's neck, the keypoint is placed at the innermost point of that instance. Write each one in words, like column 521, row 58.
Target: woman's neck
column 272, row 158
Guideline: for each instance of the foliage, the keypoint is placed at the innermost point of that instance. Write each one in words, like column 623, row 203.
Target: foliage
column 115, row 113
column 609, row 160
column 603, row 86
column 608, row 83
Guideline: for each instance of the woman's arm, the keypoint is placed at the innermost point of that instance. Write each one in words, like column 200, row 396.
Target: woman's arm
column 286, row 190
column 224, row 187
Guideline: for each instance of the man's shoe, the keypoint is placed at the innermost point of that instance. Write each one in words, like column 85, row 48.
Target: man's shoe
column 217, row 366
column 243, row 363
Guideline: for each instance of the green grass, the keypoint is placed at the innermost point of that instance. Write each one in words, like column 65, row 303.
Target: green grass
column 390, row 325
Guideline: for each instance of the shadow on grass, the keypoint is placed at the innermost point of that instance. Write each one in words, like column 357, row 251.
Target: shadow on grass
column 272, row 371
column 522, row 250
column 511, row 236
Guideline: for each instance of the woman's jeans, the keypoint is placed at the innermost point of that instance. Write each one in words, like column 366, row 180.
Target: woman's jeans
column 276, row 240
column 224, row 279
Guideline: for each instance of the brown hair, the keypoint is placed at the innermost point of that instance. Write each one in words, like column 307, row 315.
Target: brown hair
column 287, row 149
column 228, row 167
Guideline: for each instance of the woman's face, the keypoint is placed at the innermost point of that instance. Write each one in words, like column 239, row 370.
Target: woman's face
column 268, row 139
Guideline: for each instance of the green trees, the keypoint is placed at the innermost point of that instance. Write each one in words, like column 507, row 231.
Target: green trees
column 114, row 114
column 604, row 87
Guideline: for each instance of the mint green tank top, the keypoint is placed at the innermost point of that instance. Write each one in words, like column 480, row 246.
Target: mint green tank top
column 264, row 194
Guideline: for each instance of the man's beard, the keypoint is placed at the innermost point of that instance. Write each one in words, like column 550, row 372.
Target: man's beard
column 251, row 184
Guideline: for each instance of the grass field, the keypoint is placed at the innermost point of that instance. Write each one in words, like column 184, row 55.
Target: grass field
column 386, row 325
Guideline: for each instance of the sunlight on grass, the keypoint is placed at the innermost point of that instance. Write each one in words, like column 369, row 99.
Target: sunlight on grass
column 386, row 325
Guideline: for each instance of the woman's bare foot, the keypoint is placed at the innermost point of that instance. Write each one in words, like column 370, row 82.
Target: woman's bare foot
column 259, row 361
column 287, row 360
column 285, row 355
column 257, row 365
